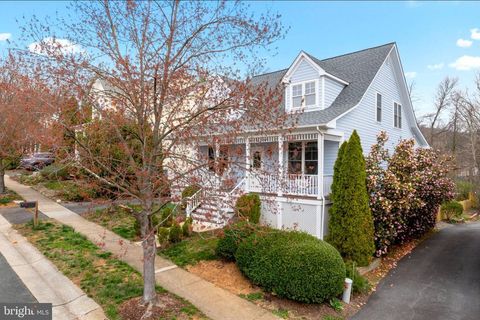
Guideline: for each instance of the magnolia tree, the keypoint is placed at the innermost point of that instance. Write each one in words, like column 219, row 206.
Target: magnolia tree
column 406, row 189
column 158, row 77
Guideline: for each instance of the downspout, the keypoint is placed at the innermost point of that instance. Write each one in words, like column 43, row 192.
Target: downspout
column 322, row 197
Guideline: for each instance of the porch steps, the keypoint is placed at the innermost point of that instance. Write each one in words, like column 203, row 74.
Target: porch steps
column 213, row 212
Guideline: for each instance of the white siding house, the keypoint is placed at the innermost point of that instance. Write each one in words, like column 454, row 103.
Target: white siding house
column 292, row 170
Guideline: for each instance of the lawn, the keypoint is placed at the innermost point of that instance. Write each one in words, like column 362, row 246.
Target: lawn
column 198, row 247
column 9, row 197
column 116, row 220
column 110, row 282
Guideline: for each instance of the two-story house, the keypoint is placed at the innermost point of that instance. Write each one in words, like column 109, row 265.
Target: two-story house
column 292, row 170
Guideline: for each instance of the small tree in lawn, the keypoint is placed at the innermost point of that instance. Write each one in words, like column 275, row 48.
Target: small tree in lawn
column 351, row 223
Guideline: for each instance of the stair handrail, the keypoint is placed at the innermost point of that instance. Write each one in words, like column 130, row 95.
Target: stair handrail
column 194, row 201
column 228, row 196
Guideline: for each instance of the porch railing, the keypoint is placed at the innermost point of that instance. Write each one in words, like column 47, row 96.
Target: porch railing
column 292, row 184
column 194, row 201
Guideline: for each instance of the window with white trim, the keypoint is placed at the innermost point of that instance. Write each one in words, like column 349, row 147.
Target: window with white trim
column 397, row 115
column 379, row 107
column 304, row 94
column 303, row 157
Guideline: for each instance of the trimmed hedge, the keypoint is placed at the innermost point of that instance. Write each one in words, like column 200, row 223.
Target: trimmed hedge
column 233, row 235
column 248, row 206
column 452, row 209
column 293, row 265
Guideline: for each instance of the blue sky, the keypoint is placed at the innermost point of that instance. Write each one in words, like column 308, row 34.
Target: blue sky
column 432, row 36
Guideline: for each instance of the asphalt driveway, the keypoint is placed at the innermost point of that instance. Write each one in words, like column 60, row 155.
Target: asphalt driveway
column 439, row 280
column 12, row 289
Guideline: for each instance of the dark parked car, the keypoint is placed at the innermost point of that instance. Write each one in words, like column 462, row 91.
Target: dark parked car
column 37, row 161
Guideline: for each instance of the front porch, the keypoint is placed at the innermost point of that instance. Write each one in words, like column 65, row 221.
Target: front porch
column 299, row 165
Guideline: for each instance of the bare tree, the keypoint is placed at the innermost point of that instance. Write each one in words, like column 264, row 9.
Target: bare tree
column 442, row 101
column 172, row 73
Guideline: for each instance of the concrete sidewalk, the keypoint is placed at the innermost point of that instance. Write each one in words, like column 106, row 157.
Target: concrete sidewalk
column 213, row 301
column 43, row 280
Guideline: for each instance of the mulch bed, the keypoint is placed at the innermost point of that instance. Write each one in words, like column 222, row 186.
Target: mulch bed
column 168, row 307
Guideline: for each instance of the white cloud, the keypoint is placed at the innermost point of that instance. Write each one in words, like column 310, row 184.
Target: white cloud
column 462, row 43
column 52, row 44
column 5, row 36
column 436, row 66
column 466, row 63
column 475, row 34
column 410, row 74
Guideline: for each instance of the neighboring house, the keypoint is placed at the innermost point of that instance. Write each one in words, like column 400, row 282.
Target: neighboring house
column 292, row 171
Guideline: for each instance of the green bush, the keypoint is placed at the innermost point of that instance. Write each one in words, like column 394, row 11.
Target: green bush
column 351, row 224
column 190, row 191
column 452, row 209
column 162, row 234
column 293, row 265
column 55, row 172
column 232, row 236
column 167, row 215
column 248, row 206
column 360, row 283
column 463, row 188
column 76, row 193
column 187, row 227
column 175, row 233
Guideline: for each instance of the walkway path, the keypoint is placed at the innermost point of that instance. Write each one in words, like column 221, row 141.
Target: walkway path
column 33, row 278
column 213, row 301
column 440, row 280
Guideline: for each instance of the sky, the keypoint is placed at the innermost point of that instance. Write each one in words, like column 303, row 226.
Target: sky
column 435, row 39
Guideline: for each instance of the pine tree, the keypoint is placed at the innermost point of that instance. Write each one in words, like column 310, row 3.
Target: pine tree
column 336, row 169
column 351, row 223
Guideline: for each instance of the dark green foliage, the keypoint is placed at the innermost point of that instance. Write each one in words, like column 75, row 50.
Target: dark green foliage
column 162, row 234
column 55, row 172
column 452, row 209
column 175, row 233
column 233, row 235
column 360, row 284
column 190, row 191
column 248, row 206
column 187, row 227
column 351, row 223
column 293, row 265
column 167, row 216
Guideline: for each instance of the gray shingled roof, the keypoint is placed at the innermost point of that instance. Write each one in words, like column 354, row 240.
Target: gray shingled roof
column 357, row 68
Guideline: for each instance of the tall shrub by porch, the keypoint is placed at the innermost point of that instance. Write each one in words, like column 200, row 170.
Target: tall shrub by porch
column 351, row 224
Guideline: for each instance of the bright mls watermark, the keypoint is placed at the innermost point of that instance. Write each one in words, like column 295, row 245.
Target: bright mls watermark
column 26, row 311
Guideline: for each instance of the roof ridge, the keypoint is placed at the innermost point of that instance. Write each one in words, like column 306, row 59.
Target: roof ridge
column 349, row 53
column 262, row 74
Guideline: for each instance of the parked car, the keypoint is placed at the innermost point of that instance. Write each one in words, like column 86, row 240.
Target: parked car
column 37, row 161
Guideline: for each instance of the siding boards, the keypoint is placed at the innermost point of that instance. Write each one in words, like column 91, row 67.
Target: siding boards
column 332, row 90
column 363, row 117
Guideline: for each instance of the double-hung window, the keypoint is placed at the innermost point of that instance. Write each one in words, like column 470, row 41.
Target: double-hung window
column 379, row 107
column 397, row 115
column 303, row 157
column 304, row 95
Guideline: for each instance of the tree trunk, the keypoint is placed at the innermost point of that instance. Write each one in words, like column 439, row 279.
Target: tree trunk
column 2, row 179
column 149, row 253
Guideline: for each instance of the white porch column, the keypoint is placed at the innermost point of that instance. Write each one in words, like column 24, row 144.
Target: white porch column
column 320, row 150
column 281, row 172
column 247, row 164
column 217, row 159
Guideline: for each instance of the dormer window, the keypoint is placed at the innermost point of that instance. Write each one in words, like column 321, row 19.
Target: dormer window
column 304, row 94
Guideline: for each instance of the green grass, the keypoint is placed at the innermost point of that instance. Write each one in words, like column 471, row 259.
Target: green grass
column 54, row 185
column 254, row 296
column 8, row 197
column 200, row 246
column 116, row 220
column 282, row 313
column 107, row 280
